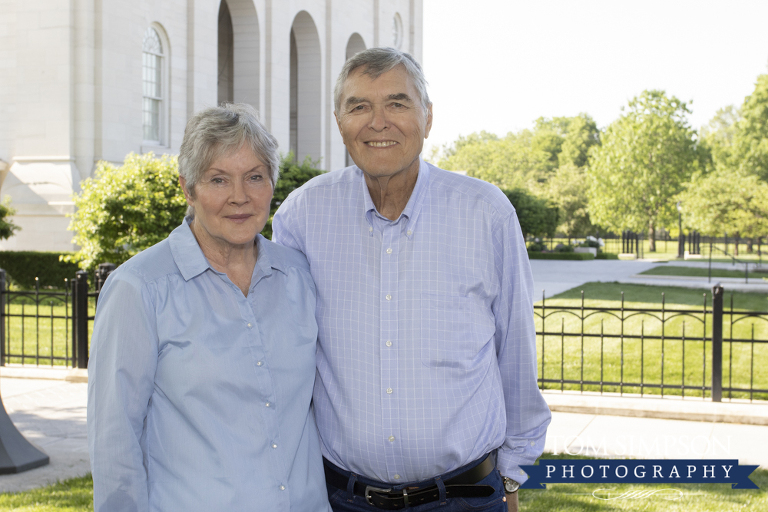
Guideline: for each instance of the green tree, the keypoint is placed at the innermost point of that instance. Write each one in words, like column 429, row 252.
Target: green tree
column 537, row 217
column 125, row 209
column 750, row 140
column 566, row 190
column 726, row 202
column 7, row 227
column 643, row 161
column 718, row 136
column 577, row 134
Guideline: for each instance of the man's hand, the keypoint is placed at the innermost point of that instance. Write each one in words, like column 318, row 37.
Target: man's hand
column 512, row 502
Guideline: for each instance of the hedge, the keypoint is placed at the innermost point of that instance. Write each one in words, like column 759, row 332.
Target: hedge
column 23, row 266
column 606, row 256
column 560, row 256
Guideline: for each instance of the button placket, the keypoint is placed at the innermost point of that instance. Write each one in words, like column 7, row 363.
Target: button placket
column 389, row 261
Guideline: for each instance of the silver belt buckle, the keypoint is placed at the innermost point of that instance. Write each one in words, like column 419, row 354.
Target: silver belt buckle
column 369, row 488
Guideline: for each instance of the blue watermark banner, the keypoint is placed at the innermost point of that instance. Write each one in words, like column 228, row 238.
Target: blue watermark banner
column 639, row 471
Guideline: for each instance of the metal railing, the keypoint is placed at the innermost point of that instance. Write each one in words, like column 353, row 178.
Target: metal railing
column 658, row 350
column 43, row 327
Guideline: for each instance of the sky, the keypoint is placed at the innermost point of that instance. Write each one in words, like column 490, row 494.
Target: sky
column 498, row 65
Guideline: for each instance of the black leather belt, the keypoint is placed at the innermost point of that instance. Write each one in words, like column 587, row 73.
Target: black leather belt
column 462, row 485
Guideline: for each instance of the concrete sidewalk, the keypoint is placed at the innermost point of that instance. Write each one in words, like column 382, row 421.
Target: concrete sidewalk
column 551, row 277
column 51, row 413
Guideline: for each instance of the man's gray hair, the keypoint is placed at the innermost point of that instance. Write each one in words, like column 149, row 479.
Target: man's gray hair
column 220, row 131
column 376, row 62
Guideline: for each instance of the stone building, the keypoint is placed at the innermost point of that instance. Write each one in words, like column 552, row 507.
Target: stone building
column 89, row 80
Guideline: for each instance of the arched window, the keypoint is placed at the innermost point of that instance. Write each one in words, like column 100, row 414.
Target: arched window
column 153, row 87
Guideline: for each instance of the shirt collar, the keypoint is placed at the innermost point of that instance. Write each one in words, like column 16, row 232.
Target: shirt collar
column 191, row 261
column 415, row 202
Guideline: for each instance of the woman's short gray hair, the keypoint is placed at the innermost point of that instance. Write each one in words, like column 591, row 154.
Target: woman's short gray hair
column 220, row 131
column 376, row 62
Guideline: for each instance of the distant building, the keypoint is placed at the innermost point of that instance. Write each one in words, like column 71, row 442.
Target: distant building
column 95, row 80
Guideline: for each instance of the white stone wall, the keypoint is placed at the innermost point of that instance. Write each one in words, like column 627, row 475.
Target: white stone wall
column 71, row 84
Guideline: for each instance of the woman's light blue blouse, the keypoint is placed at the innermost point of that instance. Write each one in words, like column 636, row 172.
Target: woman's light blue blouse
column 199, row 397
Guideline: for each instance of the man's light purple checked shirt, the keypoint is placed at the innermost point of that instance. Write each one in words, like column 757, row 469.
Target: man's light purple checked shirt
column 427, row 348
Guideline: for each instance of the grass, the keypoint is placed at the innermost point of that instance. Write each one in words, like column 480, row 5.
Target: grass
column 76, row 495
column 698, row 272
column 638, row 357
column 42, row 332
column 696, row 498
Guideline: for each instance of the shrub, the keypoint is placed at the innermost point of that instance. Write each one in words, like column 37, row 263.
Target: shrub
column 124, row 210
column 560, row 256
column 23, row 267
column 537, row 246
column 563, row 248
column 536, row 216
column 606, row 256
column 7, row 228
column 292, row 176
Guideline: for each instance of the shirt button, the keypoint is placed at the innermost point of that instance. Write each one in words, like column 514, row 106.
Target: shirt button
column 389, row 251
column 389, row 297
column 259, row 363
column 388, row 343
column 282, row 487
column 389, row 391
column 533, row 443
column 409, row 233
column 370, row 228
column 250, row 325
column 274, row 445
column 396, row 477
column 391, row 439
column 268, row 404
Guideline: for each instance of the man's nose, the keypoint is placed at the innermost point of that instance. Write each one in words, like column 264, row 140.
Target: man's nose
column 379, row 119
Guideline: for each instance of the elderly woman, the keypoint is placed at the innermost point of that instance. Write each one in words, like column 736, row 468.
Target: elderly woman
column 203, row 350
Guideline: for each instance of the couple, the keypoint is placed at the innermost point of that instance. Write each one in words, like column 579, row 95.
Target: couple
column 413, row 281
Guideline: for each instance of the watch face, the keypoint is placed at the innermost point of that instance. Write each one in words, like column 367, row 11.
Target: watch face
column 510, row 485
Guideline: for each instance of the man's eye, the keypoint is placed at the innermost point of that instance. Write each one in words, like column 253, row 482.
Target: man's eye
column 257, row 177
column 217, row 181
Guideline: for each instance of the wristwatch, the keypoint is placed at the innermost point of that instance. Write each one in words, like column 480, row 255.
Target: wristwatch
column 510, row 486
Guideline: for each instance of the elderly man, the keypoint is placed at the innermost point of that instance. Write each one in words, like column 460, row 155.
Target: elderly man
column 426, row 390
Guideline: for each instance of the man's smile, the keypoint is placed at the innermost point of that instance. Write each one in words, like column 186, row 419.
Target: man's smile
column 381, row 144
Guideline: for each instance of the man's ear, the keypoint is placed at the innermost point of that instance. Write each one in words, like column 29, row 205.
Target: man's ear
column 428, row 126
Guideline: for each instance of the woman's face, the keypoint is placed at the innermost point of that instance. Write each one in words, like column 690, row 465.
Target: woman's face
column 231, row 200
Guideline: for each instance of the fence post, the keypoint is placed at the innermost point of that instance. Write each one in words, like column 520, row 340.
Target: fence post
column 81, row 318
column 2, row 317
column 102, row 273
column 717, row 343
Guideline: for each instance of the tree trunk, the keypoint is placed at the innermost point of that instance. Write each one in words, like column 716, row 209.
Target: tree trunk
column 736, row 245
column 651, row 238
column 750, row 243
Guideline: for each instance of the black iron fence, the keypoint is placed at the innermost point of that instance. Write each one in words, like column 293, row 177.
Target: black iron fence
column 45, row 327
column 707, row 352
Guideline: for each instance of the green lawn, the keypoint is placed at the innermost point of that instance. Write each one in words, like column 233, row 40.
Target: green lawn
column 640, row 359
column 42, row 332
column 73, row 495
column 700, row 272
column 76, row 495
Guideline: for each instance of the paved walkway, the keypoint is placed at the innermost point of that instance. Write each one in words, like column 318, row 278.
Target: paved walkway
column 556, row 276
column 51, row 412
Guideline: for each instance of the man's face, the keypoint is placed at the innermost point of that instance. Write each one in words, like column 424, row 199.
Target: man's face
column 382, row 122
